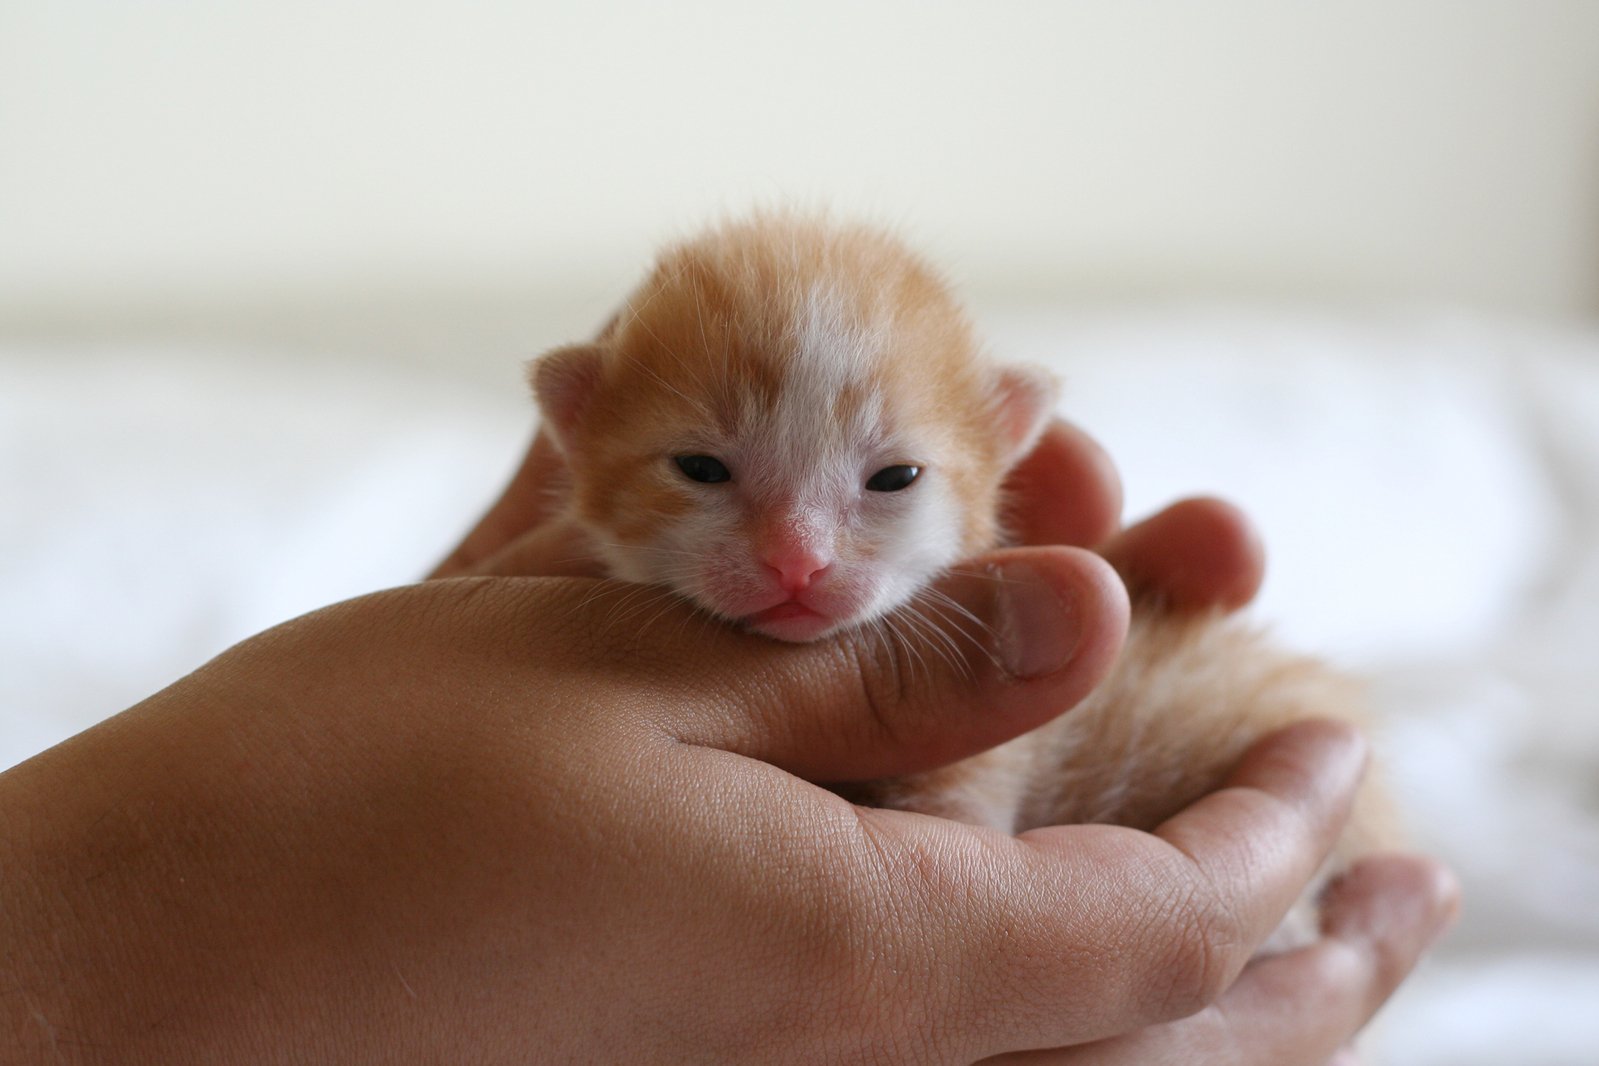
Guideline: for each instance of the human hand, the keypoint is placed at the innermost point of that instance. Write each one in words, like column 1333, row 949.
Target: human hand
column 1199, row 553
column 477, row 820
column 480, row 821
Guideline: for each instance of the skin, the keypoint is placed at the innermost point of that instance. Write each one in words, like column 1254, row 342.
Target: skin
column 479, row 820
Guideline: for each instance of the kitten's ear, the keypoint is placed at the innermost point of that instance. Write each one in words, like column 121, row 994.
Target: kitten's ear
column 1024, row 399
column 564, row 382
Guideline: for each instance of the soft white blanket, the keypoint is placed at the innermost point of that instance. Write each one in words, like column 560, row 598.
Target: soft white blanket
column 1428, row 486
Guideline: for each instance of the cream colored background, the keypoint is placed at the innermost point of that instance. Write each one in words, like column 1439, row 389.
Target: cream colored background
column 378, row 167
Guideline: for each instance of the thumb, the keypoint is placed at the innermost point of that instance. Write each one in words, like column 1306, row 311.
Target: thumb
column 1002, row 645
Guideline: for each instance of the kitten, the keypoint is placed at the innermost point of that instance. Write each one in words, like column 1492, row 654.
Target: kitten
column 792, row 425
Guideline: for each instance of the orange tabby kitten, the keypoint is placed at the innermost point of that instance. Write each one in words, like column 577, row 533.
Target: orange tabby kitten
column 791, row 425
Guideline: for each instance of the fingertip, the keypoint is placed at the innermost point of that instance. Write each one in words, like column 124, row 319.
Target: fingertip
column 1197, row 553
column 1227, row 547
column 1412, row 898
column 1066, row 491
column 1057, row 608
column 1028, row 633
column 1381, row 916
column 1102, row 603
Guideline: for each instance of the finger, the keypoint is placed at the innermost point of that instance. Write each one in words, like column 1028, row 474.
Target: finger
column 555, row 549
column 1066, row 491
column 531, row 498
column 1302, row 1008
column 1163, row 921
column 1265, row 834
column 1009, row 641
column 1198, row 553
column 1020, row 637
column 1390, row 908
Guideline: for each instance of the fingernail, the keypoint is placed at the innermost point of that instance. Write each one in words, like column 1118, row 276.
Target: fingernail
column 1038, row 630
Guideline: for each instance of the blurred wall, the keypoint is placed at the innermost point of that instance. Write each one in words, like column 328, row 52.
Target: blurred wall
column 170, row 158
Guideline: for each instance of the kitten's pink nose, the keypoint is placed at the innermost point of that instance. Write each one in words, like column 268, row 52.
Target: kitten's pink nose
column 795, row 568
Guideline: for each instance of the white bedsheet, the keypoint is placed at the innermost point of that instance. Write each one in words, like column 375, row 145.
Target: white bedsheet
column 1428, row 487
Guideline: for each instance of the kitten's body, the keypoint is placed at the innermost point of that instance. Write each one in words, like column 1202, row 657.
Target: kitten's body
column 813, row 366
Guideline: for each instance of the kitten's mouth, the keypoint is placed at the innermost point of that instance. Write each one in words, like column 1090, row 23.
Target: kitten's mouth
column 784, row 612
column 790, row 621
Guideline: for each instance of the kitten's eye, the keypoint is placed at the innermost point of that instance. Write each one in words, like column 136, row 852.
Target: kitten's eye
column 892, row 478
column 703, row 468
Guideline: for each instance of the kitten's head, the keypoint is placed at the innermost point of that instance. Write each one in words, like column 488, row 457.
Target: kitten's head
column 790, row 425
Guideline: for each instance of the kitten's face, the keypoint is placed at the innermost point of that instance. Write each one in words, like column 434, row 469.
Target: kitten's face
column 794, row 443
column 794, row 517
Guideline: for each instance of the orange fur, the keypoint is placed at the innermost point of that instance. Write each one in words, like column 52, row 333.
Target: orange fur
column 719, row 330
column 703, row 322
